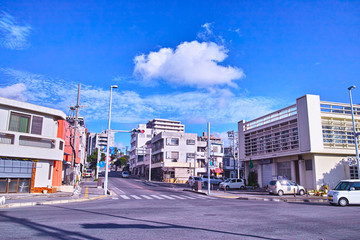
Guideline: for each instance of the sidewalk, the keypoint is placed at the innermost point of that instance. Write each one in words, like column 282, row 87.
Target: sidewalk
column 87, row 191
column 262, row 195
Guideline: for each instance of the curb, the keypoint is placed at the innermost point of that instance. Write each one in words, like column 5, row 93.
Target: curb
column 188, row 190
column 27, row 204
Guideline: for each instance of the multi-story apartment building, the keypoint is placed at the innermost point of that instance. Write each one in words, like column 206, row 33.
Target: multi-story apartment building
column 230, row 163
column 99, row 140
column 216, row 155
column 31, row 153
column 173, row 155
column 138, row 140
column 160, row 125
column 138, row 149
column 309, row 142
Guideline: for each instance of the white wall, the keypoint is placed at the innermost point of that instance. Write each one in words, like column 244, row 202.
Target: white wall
column 42, row 174
column 329, row 170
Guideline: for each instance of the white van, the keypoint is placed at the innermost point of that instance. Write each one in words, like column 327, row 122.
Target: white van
column 345, row 193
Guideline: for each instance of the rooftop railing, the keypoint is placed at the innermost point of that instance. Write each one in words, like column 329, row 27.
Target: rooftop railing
column 271, row 117
column 340, row 108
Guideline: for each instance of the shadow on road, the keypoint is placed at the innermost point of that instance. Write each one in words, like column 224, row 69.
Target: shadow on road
column 159, row 225
column 45, row 230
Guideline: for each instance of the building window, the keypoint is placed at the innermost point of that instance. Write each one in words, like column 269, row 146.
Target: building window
column 175, row 155
column 19, row 122
column 308, row 165
column 190, row 142
column 190, row 155
column 36, row 126
column 173, row 141
column 353, row 172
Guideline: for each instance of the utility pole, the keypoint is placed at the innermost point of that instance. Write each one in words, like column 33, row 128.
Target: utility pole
column 75, row 135
column 209, row 157
column 150, row 165
column 97, row 163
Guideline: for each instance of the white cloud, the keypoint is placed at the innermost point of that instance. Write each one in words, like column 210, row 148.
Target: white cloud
column 12, row 35
column 15, row 91
column 191, row 63
column 217, row 106
column 207, row 32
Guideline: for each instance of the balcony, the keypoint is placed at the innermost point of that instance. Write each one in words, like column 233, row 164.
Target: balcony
column 24, row 145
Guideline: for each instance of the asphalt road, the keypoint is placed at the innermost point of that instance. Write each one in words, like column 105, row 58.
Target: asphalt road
column 149, row 211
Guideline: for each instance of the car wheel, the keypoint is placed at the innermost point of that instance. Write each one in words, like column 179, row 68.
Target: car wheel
column 242, row 188
column 301, row 192
column 280, row 193
column 227, row 187
column 343, row 202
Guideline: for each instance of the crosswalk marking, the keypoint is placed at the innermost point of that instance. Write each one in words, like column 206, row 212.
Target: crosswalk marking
column 156, row 196
column 162, row 197
column 124, row 196
column 134, row 196
column 145, row 196
column 188, row 197
column 204, row 197
column 177, row 197
column 168, row 197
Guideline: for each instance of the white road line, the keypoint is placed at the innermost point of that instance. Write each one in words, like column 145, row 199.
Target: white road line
column 124, row 196
column 204, row 197
column 156, row 196
column 134, row 196
column 145, row 196
column 187, row 197
column 177, row 197
column 168, row 197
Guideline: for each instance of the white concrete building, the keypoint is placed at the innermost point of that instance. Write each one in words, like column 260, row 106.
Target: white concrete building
column 173, row 155
column 29, row 146
column 99, row 140
column 308, row 142
column 138, row 149
column 160, row 125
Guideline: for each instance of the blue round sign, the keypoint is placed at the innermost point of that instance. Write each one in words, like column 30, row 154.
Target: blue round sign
column 101, row 164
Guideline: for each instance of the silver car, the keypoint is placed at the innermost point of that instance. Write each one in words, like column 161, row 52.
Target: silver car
column 281, row 187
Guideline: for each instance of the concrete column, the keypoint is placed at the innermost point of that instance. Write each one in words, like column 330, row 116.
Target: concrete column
column 259, row 172
column 293, row 172
column 302, row 172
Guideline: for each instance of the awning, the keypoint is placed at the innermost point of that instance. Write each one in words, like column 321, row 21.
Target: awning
column 217, row 170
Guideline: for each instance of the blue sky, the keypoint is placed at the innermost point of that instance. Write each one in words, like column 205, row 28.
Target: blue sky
column 193, row 61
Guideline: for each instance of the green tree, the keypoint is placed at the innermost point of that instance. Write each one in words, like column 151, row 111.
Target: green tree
column 92, row 159
column 253, row 179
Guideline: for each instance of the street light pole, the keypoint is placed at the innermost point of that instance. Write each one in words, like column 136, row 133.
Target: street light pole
column 107, row 146
column 355, row 134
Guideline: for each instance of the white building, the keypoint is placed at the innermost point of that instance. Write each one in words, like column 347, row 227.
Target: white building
column 29, row 146
column 99, row 140
column 138, row 149
column 173, row 155
column 308, row 142
column 138, row 141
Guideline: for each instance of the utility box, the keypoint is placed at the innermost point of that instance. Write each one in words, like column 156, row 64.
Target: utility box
column 198, row 186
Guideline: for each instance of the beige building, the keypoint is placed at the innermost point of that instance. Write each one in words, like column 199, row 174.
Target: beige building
column 310, row 142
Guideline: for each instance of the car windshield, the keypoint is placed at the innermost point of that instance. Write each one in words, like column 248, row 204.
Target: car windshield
column 125, row 172
column 343, row 186
column 228, row 180
column 196, row 178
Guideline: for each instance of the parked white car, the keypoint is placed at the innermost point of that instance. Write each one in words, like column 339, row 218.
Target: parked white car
column 281, row 187
column 233, row 183
column 345, row 193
